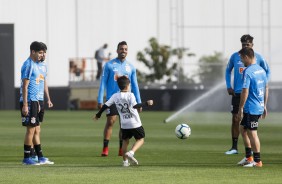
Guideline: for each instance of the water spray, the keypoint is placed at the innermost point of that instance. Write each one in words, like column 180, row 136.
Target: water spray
column 208, row 93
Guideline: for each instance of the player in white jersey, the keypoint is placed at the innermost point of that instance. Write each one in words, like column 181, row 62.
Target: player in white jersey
column 131, row 125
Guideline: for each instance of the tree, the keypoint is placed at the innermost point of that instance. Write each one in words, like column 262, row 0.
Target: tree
column 211, row 69
column 157, row 58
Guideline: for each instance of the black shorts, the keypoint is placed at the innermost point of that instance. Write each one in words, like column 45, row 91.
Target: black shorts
column 137, row 133
column 41, row 112
column 32, row 118
column 250, row 122
column 112, row 110
column 235, row 102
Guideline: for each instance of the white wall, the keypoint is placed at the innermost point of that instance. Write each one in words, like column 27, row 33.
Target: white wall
column 209, row 26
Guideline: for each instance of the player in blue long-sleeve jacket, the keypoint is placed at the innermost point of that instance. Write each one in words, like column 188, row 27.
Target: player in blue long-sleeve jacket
column 111, row 71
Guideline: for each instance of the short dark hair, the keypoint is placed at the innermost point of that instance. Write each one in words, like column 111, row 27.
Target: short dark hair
column 246, row 51
column 123, row 81
column 121, row 43
column 36, row 46
column 44, row 45
column 247, row 38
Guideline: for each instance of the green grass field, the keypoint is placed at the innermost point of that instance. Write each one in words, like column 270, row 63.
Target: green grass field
column 74, row 142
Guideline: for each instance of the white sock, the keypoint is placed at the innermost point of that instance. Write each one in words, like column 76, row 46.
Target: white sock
column 131, row 152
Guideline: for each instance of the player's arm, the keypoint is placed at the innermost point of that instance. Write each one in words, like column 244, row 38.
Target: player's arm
column 228, row 72
column 266, row 68
column 135, row 88
column 46, row 90
column 103, row 83
column 265, row 102
column 25, row 91
column 147, row 103
column 243, row 99
column 134, row 85
column 98, row 115
column 105, row 106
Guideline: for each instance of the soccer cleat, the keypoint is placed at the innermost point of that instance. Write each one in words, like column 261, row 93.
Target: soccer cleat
column 125, row 163
column 34, row 158
column 120, row 152
column 43, row 161
column 245, row 161
column 29, row 161
column 254, row 164
column 105, row 152
column 131, row 158
column 231, row 152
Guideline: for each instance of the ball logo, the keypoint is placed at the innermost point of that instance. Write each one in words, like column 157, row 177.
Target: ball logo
column 254, row 124
column 32, row 120
column 241, row 69
column 23, row 119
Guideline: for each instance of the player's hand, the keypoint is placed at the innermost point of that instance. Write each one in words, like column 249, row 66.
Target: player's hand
column 50, row 104
column 264, row 113
column 95, row 117
column 230, row 91
column 239, row 116
column 39, row 107
column 150, row 102
column 100, row 105
column 139, row 109
column 25, row 110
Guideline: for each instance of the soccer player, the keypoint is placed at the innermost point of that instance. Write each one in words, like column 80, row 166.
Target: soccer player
column 43, row 88
column 111, row 71
column 29, row 103
column 129, row 119
column 252, row 105
column 236, row 64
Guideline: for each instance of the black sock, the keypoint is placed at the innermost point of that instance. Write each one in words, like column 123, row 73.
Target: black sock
column 234, row 143
column 27, row 151
column 257, row 157
column 248, row 152
column 106, row 143
column 38, row 150
column 32, row 152
column 120, row 144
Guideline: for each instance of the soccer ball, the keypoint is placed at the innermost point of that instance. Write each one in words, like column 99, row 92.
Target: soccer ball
column 182, row 131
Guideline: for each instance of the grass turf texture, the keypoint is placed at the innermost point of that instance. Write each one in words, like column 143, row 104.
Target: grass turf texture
column 74, row 142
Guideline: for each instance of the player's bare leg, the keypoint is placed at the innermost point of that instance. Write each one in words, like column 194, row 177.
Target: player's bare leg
column 108, row 133
column 135, row 147
column 235, row 132
column 124, row 150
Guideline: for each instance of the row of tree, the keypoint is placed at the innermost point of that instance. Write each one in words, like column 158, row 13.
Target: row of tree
column 164, row 64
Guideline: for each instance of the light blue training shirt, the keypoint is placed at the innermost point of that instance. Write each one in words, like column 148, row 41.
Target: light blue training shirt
column 111, row 70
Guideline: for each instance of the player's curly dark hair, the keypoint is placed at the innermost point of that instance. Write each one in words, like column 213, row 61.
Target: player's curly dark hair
column 121, row 43
column 36, row 46
column 247, row 38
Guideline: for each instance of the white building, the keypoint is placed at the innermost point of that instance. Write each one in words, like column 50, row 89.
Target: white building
column 75, row 28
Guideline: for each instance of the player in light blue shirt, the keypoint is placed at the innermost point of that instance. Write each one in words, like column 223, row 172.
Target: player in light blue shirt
column 43, row 89
column 29, row 73
column 238, row 67
column 111, row 71
column 252, row 106
column 29, row 103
